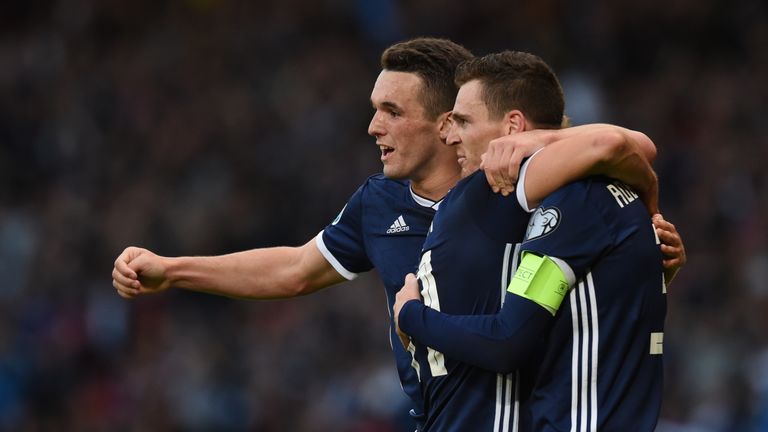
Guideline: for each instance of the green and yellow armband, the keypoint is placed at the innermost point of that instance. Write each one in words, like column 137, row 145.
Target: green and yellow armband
column 540, row 280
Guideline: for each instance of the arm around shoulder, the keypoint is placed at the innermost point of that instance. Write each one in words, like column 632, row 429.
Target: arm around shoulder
column 606, row 150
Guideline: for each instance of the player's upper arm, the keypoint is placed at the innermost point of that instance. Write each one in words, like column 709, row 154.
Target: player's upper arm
column 579, row 156
column 570, row 226
column 342, row 242
column 645, row 144
column 542, row 280
column 563, row 162
column 314, row 271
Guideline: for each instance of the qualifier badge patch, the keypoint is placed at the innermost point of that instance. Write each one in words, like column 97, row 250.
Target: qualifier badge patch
column 542, row 222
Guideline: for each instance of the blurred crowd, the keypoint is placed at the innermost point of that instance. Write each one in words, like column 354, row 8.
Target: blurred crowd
column 202, row 127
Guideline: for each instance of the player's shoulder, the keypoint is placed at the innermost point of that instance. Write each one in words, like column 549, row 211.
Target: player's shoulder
column 478, row 198
column 380, row 181
column 599, row 193
column 612, row 191
column 378, row 190
column 582, row 188
column 378, row 184
column 474, row 183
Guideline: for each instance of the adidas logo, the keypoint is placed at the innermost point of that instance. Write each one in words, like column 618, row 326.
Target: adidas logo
column 398, row 225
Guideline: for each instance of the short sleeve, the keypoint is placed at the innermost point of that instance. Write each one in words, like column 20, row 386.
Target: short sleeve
column 522, row 198
column 342, row 242
column 569, row 228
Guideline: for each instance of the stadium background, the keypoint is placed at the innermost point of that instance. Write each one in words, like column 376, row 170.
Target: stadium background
column 209, row 126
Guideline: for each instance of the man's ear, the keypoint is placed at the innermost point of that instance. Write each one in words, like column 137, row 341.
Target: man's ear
column 444, row 125
column 515, row 122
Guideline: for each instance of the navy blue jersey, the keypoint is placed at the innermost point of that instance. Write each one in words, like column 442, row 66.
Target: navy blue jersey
column 465, row 267
column 383, row 225
column 602, row 367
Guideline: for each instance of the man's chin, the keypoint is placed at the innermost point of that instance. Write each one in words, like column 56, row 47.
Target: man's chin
column 393, row 174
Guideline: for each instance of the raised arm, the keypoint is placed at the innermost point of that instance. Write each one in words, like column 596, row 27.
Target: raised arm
column 595, row 150
column 596, row 144
column 267, row 273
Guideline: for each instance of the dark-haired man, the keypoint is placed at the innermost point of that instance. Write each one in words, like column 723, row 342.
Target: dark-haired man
column 577, row 343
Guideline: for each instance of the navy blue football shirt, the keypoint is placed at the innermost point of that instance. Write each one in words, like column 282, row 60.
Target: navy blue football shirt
column 602, row 367
column 383, row 225
column 465, row 267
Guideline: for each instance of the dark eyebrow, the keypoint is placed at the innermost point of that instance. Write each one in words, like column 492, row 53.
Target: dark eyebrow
column 459, row 116
column 388, row 105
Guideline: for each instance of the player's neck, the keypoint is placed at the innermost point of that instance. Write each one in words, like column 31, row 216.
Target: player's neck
column 437, row 185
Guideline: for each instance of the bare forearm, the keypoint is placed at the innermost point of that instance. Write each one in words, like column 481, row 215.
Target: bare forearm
column 269, row 273
column 645, row 145
column 623, row 158
column 582, row 151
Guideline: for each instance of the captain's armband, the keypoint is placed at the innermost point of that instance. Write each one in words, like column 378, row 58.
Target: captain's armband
column 540, row 280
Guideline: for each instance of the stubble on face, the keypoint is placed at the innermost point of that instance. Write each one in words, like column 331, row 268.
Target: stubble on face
column 472, row 127
column 403, row 134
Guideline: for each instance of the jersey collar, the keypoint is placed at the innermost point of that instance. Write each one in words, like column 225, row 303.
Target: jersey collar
column 424, row 202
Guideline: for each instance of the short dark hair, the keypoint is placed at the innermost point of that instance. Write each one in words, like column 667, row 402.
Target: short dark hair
column 517, row 80
column 434, row 61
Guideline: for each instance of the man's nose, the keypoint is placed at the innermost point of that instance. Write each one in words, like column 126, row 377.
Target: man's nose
column 375, row 127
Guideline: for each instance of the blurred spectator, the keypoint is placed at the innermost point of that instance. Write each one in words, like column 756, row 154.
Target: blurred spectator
column 209, row 126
